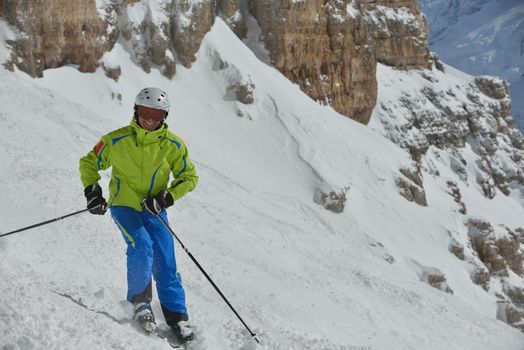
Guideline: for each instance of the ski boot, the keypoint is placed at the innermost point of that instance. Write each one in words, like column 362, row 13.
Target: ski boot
column 183, row 332
column 144, row 317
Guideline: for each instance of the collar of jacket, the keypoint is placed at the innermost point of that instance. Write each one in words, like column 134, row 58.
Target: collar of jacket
column 144, row 137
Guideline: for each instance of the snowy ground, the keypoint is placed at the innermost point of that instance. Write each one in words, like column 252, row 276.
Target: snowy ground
column 302, row 277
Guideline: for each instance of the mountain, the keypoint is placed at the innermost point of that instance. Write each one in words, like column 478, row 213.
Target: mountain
column 402, row 231
column 482, row 37
column 330, row 50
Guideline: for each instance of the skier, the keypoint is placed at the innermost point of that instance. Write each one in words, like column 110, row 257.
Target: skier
column 142, row 156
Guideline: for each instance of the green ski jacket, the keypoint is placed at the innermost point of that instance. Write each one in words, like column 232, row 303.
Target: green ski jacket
column 142, row 162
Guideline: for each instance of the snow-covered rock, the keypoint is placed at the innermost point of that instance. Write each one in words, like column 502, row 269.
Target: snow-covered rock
column 481, row 37
column 424, row 110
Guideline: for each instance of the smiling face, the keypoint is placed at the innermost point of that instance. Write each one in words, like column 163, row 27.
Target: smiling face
column 150, row 118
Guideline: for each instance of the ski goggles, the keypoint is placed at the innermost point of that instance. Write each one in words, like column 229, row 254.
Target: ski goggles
column 151, row 113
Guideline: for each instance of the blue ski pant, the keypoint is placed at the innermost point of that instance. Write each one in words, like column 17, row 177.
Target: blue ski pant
column 150, row 252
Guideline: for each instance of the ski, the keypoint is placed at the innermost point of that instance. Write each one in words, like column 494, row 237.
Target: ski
column 166, row 332
column 171, row 342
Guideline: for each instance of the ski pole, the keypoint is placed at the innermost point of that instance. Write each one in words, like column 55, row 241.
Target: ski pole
column 46, row 222
column 208, row 278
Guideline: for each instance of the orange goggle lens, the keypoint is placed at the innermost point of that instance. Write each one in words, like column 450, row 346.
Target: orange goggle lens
column 151, row 113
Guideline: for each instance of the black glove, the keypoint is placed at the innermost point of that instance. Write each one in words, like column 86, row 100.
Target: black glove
column 155, row 204
column 95, row 201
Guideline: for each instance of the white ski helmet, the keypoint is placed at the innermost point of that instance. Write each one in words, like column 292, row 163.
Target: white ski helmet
column 153, row 98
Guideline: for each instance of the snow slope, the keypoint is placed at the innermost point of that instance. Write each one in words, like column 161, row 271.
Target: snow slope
column 302, row 277
column 481, row 37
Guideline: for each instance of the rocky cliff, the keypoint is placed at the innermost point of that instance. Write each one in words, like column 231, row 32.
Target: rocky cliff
column 457, row 117
column 56, row 33
column 59, row 32
column 481, row 37
column 460, row 134
column 329, row 48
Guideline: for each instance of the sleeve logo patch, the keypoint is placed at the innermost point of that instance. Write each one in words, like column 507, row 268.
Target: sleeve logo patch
column 99, row 147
